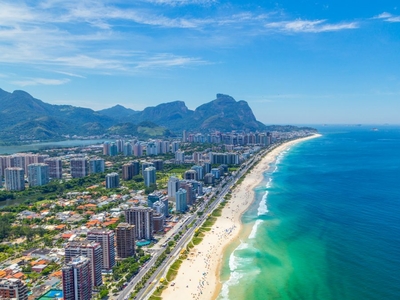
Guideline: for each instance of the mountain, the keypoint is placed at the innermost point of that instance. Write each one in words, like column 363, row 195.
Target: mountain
column 145, row 129
column 25, row 117
column 174, row 115
column 118, row 112
column 21, row 114
column 224, row 113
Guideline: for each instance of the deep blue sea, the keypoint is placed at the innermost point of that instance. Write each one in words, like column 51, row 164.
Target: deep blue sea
column 325, row 223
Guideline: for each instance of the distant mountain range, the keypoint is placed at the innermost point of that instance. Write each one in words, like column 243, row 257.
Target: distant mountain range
column 25, row 117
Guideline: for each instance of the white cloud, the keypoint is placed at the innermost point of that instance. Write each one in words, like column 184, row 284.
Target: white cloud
column 383, row 15
column 41, row 81
column 166, row 60
column 388, row 17
column 181, row 2
column 70, row 74
column 310, row 26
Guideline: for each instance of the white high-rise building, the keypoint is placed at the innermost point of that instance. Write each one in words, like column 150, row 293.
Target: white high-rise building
column 149, row 175
column 112, row 180
column 173, row 186
column 14, row 179
column 38, row 174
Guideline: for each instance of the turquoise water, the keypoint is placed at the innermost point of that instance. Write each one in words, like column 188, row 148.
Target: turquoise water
column 325, row 223
column 52, row 294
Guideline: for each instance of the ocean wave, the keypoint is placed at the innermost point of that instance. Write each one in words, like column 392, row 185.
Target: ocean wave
column 268, row 185
column 237, row 266
column 262, row 207
column 253, row 232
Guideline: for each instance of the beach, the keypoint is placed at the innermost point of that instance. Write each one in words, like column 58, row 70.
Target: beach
column 198, row 276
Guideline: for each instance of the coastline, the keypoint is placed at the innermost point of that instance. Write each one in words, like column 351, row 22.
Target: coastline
column 203, row 265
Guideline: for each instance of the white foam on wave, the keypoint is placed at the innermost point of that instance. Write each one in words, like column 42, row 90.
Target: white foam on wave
column 262, row 207
column 268, row 185
column 243, row 246
column 253, row 232
column 237, row 265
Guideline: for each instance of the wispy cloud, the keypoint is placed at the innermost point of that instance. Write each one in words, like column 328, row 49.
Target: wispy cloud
column 166, row 60
column 310, row 26
column 388, row 17
column 70, row 74
column 181, row 2
column 41, row 81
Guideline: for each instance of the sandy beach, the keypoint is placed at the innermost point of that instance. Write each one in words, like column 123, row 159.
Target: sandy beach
column 198, row 276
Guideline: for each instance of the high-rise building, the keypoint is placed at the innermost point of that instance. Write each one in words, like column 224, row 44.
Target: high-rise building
column 159, row 207
column 173, row 186
column 151, row 149
column 79, row 167
column 113, row 149
column 96, row 165
column 142, row 218
column 181, row 204
column 190, row 192
column 146, row 164
column 180, row 156
column 13, row 288
column 129, row 170
column 151, row 199
column 175, row 146
column 128, row 149
column 164, row 147
column 14, row 179
column 158, row 164
column 209, row 178
column 125, row 234
column 200, row 172
column 216, row 172
column 106, row 239
column 190, row 175
column 91, row 250
column 137, row 149
column 207, row 167
column 166, row 205
column 120, row 145
column 18, row 161
column 158, row 222
column 4, row 163
column 77, row 279
column 112, row 180
column 149, row 176
column 55, row 167
column 106, row 148
column 38, row 174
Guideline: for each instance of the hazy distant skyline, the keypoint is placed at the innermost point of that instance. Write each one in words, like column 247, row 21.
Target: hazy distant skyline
column 294, row 62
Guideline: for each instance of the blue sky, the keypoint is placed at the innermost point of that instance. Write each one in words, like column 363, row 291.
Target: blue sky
column 294, row 62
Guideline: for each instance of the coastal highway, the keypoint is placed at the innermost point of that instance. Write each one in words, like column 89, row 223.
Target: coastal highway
column 153, row 281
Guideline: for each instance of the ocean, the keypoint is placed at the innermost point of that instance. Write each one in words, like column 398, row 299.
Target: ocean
column 325, row 223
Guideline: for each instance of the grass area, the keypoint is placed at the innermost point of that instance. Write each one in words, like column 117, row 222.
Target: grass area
column 173, row 270
column 157, row 293
column 197, row 240
column 210, row 221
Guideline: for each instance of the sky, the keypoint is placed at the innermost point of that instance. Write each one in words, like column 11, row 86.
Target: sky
column 293, row 61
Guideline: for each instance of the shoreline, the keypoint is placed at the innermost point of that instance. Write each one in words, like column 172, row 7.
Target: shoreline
column 204, row 262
